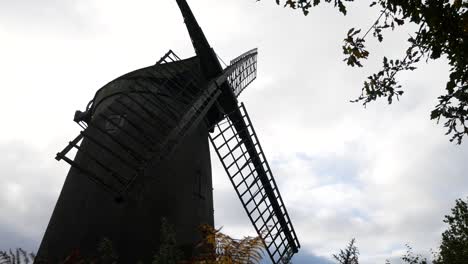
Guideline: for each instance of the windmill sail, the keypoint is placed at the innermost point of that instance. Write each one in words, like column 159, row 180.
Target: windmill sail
column 239, row 150
column 152, row 124
column 245, row 71
column 135, row 125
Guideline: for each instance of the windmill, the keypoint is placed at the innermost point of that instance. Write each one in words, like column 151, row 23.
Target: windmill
column 145, row 142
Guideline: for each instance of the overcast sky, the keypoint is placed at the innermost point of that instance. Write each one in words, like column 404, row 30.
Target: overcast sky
column 385, row 175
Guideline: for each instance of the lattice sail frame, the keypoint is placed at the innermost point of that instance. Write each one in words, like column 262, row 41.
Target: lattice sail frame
column 146, row 137
column 245, row 71
column 280, row 241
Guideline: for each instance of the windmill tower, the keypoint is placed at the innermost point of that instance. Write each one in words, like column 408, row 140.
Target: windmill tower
column 143, row 154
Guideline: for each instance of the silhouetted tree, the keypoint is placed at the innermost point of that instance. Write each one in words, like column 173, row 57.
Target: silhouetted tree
column 412, row 258
column 16, row 257
column 350, row 255
column 106, row 252
column 453, row 248
column 454, row 245
column 442, row 32
column 168, row 252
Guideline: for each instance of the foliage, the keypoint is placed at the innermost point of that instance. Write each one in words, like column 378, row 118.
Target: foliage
column 454, row 245
column 16, row 257
column 304, row 5
column 74, row 258
column 106, row 252
column 218, row 248
column 223, row 249
column 350, row 255
column 168, row 252
column 453, row 248
column 442, row 32
column 411, row 258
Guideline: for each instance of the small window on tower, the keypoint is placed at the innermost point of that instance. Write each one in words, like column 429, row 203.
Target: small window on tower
column 199, row 189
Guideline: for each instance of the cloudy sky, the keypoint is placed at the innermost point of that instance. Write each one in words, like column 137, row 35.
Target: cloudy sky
column 385, row 175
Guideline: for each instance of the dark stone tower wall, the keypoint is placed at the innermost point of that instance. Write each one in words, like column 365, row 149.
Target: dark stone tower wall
column 178, row 188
